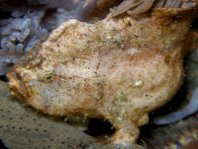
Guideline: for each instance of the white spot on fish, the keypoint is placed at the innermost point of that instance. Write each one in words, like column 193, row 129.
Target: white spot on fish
column 132, row 51
column 138, row 83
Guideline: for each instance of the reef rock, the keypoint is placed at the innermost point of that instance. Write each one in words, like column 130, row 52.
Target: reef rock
column 118, row 69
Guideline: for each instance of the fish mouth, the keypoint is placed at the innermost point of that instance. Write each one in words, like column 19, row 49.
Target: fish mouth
column 17, row 85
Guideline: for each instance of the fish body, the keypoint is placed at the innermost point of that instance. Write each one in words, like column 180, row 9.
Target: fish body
column 115, row 69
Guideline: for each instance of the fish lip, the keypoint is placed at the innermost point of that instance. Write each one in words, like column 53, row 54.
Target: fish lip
column 16, row 85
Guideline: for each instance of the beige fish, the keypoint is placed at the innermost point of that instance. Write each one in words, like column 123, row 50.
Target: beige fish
column 118, row 69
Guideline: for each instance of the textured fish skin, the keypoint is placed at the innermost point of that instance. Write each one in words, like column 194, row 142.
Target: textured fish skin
column 115, row 69
column 190, row 105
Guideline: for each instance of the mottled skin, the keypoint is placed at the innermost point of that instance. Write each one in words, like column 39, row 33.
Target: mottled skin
column 115, row 69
